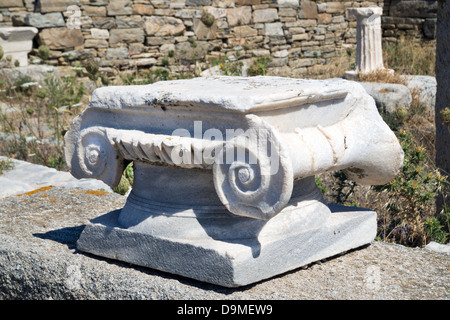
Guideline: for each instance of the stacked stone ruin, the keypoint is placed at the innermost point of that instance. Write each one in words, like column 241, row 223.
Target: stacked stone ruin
column 123, row 34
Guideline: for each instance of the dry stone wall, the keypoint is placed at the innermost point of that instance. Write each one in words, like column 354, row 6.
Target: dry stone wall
column 124, row 34
column 410, row 18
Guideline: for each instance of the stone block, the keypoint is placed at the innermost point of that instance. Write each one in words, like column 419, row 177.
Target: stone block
column 117, row 53
column 288, row 3
column 335, row 7
column 37, row 20
column 429, row 28
column 104, row 22
column 308, row 9
column 413, row 9
column 56, row 5
column 126, row 35
column 197, row 3
column 229, row 263
column 143, row 9
column 300, row 37
column 163, row 26
column 273, row 29
column 99, row 33
column 61, row 38
column 265, row 15
column 244, row 31
column 204, row 32
column 239, row 15
column 124, row 22
column 298, row 63
column 247, row 2
column 119, row 8
column 388, row 96
column 11, row 3
column 94, row 11
column 96, row 43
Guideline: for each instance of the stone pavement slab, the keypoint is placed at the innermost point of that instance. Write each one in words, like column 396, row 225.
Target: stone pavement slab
column 25, row 177
column 39, row 260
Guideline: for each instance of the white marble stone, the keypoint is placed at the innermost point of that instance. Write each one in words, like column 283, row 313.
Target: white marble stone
column 228, row 164
column 369, row 52
column 17, row 42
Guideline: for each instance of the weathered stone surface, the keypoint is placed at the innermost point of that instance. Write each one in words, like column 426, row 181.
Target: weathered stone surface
column 99, row 33
column 198, row 2
column 413, row 8
column 96, row 43
column 117, row 53
column 187, row 52
column 288, row 3
column 61, row 38
column 56, row 5
column 388, row 96
column 143, row 9
column 123, row 22
column 37, row 20
column 16, row 42
column 425, row 86
column 119, row 8
column 11, row 3
column 308, row 9
column 126, row 35
column 244, row 31
column 163, row 26
column 273, row 29
column 25, row 177
column 265, row 15
column 97, row 11
column 40, row 261
column 103, row 22
column 204, row 32
column 239, row 15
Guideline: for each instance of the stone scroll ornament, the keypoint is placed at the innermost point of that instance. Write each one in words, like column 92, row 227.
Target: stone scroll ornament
column 224, row 189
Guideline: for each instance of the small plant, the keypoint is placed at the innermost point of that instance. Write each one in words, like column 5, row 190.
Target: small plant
column 207, row 19
column 1, row 52
column 446, row 114
column 92, row 69
column 259, row 66
column 5, row 165
column 126, row 181
column 165, row 60
column 411, row 196
column 192, row 41
column 44, row 52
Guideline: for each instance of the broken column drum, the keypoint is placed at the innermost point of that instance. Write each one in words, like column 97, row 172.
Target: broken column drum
column 224, row 188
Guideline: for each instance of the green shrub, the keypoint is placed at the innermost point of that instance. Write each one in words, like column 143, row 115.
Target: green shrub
column 207, row 18
column 411, row 197
column 259, row 66
column 1, row 52
column 5, row 165
column 44, row 52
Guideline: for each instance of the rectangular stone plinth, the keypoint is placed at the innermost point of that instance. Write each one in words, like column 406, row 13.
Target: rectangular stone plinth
column 230, row 264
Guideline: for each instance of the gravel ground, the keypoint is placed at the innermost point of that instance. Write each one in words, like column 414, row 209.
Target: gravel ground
column 38, row 232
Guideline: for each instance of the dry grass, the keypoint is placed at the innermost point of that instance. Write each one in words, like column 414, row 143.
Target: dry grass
column 409, row 56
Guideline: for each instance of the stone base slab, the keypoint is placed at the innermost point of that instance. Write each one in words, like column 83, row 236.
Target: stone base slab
column 230, row 263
